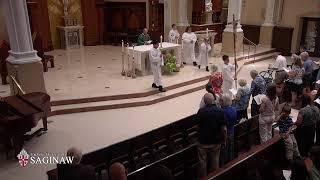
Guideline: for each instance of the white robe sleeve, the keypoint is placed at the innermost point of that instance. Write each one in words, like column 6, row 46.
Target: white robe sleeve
column 186, row 38
column 155, row 56
column 227, row 73
column 208, row 48
column 172, row 36
column 194, row 37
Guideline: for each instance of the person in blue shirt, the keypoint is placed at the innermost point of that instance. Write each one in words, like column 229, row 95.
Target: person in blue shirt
column 258, row 86
column 230, row 114
column 308, row 66
column 285, row 127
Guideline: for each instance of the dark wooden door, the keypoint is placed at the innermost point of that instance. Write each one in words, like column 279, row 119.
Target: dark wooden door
column 39, row 22
column 156, row 11
column 310, row 36
column 282, row 38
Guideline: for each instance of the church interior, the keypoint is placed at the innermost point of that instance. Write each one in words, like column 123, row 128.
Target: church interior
column 74, row 76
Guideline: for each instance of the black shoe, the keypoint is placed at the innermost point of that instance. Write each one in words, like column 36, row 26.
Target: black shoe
column 161, row 89
column 207, row 68
column 154, row 85
column 199, row 66
column 184, row 63
column 195, row 64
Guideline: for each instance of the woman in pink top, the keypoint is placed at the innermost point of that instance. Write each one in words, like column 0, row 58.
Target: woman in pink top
column 269, row 104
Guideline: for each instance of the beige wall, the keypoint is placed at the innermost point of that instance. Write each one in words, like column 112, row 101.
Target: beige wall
column 253, row 13
column 292, row 11
column 3, row 30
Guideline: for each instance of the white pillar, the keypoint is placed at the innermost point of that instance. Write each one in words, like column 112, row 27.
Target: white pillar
column 270, row 14
column 183, row 13
column 167, row 18
column 234, row 8
column 19, row 32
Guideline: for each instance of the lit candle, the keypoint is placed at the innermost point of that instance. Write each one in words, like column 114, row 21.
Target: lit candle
column 207, row 33
column 161, row 40
column 122, row 45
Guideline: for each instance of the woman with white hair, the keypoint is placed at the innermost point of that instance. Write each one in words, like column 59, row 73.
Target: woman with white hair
column 231, row 117
column 242, row 99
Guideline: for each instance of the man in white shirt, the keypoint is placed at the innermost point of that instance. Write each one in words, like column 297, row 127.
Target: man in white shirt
column 228, row 73
column 174, row 34
column 155, row 58
column 281, row 62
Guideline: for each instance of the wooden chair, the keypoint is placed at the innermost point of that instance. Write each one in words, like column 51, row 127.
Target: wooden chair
column 37, row 44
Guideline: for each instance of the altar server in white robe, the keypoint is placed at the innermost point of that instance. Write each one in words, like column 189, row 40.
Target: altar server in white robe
column 189, row 39
column 174, row 34
column 204, row 51
column 228, row 73
column 156, row 60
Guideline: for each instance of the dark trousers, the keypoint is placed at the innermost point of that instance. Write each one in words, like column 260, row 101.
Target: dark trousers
column 305, row 139
column 255, row 109
column 242, row 114
column 227, row 152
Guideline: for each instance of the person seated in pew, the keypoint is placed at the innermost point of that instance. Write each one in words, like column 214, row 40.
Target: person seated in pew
column 117, row 172
column 230, row 113
column 295, row 79
column 285, row 126
column 268, row 108
column 144, row 38
column 212, row 133
column 75, row 171
column 241, row 101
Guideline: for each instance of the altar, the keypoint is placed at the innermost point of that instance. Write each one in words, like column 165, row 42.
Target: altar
column 141, row 56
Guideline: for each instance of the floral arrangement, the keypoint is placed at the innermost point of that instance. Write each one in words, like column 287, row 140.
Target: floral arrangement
column 170, row 61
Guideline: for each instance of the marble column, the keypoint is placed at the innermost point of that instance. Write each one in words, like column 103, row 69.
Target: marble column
column 167, row 18
column 234, row 8
column 266, row 30
column 23, row 62
column 182, row 16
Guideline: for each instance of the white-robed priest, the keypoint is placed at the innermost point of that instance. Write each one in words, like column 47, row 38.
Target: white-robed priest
column 174, row 34
column 228, row 73
column 156, row 60
column 204, row 51
column 189, row 39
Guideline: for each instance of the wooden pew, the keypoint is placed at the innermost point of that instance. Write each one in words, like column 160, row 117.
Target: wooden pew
column 273, row 150
column 246, row 135
column 144, row 150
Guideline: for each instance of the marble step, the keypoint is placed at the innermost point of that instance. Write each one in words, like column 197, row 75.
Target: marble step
column 127, row 103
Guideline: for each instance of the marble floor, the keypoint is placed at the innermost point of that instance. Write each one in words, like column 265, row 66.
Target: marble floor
column 94, row 71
